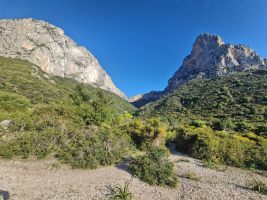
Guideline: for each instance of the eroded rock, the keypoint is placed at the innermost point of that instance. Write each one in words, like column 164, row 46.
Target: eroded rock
column 49, row 48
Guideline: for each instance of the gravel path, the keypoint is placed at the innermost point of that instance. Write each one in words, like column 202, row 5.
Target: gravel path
column 43, row 180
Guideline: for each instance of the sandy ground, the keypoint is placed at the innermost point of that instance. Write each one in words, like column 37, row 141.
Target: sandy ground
column 43, row 180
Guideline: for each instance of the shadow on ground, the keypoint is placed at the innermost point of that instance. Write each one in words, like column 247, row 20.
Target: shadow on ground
column 124, row 165
column 4, row 195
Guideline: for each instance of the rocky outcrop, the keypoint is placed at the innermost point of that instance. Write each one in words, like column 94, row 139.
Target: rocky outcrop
column 209, row 58
column 49, row 48
column 142, row 99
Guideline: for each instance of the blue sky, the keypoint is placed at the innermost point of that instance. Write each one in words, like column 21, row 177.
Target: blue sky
column 141, row 43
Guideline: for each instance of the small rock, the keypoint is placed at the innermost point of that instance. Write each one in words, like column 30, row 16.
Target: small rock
column 5, row 123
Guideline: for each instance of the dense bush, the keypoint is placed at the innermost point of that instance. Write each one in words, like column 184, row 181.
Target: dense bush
column 231, row 149
column 147, row 133
column 86, row 148
column 87, row 127
column 74, row 122
column 90, row 150
column 154, row 168
column 236, row 102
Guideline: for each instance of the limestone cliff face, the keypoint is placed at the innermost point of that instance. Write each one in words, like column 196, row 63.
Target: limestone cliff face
column 209, row 58
column 49, row 48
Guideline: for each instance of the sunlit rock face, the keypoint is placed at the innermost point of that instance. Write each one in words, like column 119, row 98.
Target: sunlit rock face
column 55, row 53
column 211, row 58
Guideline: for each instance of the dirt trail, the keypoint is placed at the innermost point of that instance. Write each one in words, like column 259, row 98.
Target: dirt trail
column 43, row 180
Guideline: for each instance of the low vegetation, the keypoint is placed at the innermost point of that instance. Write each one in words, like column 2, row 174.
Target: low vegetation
column 154, row 168
column 192, row 176
column 232, row 103
column 121, row 192
column 220, row 121
column 73, row 122
column 258, row 186
column 222, row 147
column 56, row 116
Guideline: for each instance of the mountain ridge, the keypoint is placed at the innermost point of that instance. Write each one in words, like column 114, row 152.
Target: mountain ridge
column 210, row 58
column 46, row 46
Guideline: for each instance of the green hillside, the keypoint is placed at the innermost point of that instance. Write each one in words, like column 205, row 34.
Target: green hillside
column 221, row 120
column 22, row 78
column 237, row 102
column 57, row 116
column 42, row 116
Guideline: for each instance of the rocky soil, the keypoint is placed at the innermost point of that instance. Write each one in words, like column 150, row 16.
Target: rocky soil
column 47, row 179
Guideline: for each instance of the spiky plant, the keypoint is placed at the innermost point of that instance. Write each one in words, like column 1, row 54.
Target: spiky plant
column 121, row 192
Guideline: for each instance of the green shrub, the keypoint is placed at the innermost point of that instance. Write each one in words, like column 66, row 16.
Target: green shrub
column 243, row 127
column 205, row 146
column 154, row 168
column 89, row 150
column 199, row 142
column 222, row 147
column 222, row 124
column 6, row 150
column 147, row 133
column 227, row 100
column 13, row 105
column 198, row 123
column 232, row 151
column 192, row 176
column 77, row 123
column 211, row 164
column 121, row 192
column 258, row 186
column 256, row 155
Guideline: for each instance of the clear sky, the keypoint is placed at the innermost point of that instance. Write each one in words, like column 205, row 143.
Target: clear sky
column 141, row 43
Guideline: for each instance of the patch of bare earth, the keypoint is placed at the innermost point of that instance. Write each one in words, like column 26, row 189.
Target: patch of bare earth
column 39, row 180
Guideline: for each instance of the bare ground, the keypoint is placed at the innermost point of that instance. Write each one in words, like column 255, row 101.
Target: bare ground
column 46, row 179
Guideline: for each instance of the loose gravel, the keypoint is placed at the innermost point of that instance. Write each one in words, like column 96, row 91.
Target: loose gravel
column 47, row 179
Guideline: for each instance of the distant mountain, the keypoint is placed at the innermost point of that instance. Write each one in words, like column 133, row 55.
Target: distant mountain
column 142, row 99
column 49, row 48
column 209, row 58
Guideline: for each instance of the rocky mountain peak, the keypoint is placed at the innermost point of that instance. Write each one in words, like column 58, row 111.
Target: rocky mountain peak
column 206, row 42
column 55, row 53
column 211, row 58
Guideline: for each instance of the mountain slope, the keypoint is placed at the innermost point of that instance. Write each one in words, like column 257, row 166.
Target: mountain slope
column 240, row 97
column 49, row 48
column 24, row 81
column 209, row 58
column 43, row 115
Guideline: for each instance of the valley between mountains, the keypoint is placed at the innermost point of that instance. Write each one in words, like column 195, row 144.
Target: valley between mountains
column 67, row 132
